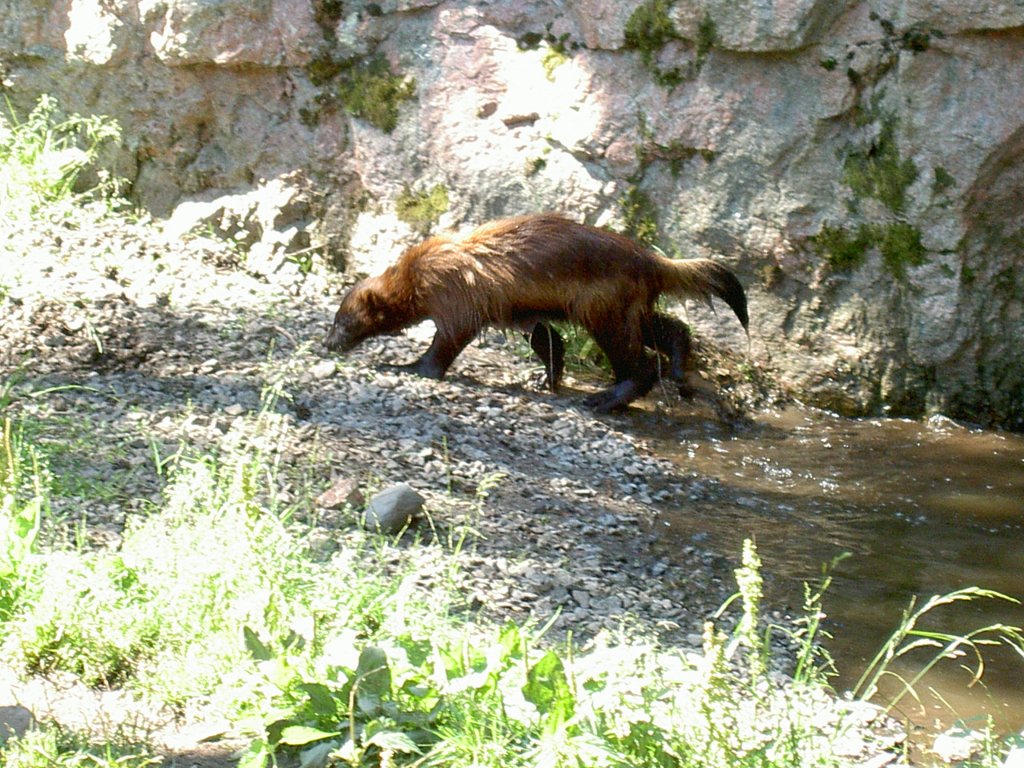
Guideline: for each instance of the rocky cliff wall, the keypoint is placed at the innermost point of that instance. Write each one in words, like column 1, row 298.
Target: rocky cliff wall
column 860, row 164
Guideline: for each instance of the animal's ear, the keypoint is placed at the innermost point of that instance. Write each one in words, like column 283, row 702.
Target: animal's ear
column 373, row 301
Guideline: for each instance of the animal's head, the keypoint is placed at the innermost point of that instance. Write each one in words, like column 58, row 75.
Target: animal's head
column 364, row 312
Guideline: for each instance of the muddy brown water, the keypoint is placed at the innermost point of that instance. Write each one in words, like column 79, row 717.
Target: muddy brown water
column 922, row 508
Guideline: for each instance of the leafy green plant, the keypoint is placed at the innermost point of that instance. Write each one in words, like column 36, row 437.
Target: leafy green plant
column 43, row 156
column 474, row 696
column 23, row 499
column 357, row 714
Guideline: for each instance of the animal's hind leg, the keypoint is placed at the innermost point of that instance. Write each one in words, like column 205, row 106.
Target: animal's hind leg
column 547, row 343
column 621, row 339
column 669, row 336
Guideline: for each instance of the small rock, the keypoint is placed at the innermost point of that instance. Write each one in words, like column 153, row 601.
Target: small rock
column 957, row 744
column 323, row 370
column 392, row 509
column 15, row 721
column 344, row 490
column 581, row 597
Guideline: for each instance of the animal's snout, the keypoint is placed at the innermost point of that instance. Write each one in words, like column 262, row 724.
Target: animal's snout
column 343, row 334
column 334, row 341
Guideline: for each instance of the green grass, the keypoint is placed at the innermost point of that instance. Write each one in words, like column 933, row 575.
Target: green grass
column 85, row 460
column 43, row 156
column 53, row 747
column 215, row 597
column 23, row 501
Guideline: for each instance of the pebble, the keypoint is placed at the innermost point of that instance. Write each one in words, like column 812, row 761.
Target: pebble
column 343, row 491
column 323, row 370
column 393, row 509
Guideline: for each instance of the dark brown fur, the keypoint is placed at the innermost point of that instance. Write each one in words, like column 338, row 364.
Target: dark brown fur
column 520, row 273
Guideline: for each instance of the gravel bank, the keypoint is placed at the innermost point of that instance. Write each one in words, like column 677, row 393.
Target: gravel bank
column 127, row 344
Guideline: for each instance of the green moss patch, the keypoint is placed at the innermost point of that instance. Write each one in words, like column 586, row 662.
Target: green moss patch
column 899, row 244
column 901, row 247
column 879, row 172
column 553, row 59
column 943, row 181
column 707, row 38
column 371, row 91
column 842, row 249
column 639, row 216
column 421, row 210
column 650, row 28
column 675, row 153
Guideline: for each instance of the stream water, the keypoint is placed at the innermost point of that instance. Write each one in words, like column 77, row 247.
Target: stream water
column 922, row 508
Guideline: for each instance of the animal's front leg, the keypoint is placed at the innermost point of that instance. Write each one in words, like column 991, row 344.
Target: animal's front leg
column 443, row 350
column 547, row 343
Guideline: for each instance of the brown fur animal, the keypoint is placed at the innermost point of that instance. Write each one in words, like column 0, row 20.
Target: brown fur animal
column 520, row 273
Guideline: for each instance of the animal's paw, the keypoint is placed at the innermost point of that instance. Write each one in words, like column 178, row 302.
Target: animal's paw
column 418, row 368
column 731, row 415
column 608, row 400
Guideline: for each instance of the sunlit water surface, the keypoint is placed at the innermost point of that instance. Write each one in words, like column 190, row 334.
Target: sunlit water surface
column 922, row 508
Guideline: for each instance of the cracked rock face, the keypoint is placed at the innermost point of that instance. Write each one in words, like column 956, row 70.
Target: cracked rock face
column 860, row 166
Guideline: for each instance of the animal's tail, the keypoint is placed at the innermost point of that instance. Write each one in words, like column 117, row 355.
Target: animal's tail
column 702, row 278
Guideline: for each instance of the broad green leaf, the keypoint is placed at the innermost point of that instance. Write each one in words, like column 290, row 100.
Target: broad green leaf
column 511, row 641
column 373, row 674
column 368, row 704
column 255, row 646
column 317, row 755
column 324, row 703
column 255, row 756
column 298, row 735
column 548, row 689
column 394, row 740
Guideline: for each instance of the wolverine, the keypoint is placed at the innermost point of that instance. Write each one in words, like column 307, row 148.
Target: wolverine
column 523, row 272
